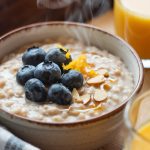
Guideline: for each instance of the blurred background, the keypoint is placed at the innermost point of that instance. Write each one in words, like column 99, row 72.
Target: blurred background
column 16, row 13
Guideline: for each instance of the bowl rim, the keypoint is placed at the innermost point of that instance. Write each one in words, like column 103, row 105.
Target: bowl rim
column 93, row 119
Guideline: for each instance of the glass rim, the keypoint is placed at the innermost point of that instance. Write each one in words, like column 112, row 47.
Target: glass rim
column 134, row 12
column 127, row 119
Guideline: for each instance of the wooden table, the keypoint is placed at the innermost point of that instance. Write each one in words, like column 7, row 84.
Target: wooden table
column 106, row 22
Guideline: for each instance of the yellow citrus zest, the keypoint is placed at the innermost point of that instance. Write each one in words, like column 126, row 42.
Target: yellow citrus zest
column 92, row 73
column 80, row 64
column 68, row 55
column 62, row 47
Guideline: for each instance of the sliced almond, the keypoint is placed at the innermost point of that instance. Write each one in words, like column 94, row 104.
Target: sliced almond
column 96, row 80
column 76, row 96
column 100, row 95
column 86, row 98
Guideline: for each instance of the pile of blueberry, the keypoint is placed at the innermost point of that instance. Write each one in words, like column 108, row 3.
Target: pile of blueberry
column 43, row 77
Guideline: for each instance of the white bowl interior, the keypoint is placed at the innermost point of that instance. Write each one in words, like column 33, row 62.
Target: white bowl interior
column 87, row 35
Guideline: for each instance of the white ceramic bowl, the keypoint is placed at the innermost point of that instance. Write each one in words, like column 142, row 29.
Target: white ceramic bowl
column 83, row 135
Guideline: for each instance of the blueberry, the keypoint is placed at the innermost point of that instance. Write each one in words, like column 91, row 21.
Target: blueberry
column 72, row 79
column 33, row 56
column 59, row 94
column 48, row 72
column 58, row 56
column 25, row 73
column 35, row 90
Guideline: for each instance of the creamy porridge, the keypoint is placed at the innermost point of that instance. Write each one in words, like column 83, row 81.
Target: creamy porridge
column 107, row 83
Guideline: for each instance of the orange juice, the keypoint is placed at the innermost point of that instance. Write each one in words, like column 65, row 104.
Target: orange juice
column 142, row 142
column 132, row 23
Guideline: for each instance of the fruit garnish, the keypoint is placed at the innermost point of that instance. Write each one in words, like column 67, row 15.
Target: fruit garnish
column 33, row 56
column 72, row 79
column 48, row 72
column 92, row 73
column 35, row 90
column 62, row 48
column 80, row 64
column 59, row 94
column 25, row 73
column 58, row 56
column 68, row 55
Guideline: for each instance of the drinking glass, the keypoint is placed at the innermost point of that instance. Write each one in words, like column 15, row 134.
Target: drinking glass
column 132, row 23
column 137, row 121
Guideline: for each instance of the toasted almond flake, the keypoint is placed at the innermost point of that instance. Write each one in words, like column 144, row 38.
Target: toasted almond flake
column 96, row 80
column 86, row 98
column 76, row 96
column 100, row 95
column 107, row 86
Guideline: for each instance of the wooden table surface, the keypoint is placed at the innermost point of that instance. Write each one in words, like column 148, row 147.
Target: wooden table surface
column 106, row 22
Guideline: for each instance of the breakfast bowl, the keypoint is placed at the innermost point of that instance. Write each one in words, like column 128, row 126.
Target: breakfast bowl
column 96, row 122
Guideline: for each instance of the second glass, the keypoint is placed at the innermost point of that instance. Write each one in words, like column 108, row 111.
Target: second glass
column 132, row 23
column 137, row 120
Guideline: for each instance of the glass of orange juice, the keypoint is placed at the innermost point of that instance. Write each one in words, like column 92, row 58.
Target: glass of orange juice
column 137, row 120
column 132, row 23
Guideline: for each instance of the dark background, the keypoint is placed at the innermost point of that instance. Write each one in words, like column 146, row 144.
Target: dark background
column 16, row 13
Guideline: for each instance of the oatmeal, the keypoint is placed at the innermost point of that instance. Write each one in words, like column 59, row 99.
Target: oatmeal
column 106, row 84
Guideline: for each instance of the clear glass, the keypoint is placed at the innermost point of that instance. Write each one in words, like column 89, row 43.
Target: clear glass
column 133, row 25
column 137, row 121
